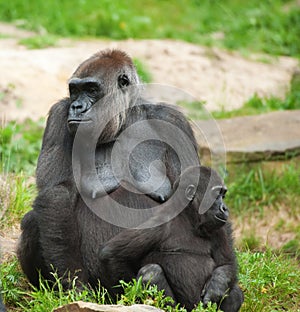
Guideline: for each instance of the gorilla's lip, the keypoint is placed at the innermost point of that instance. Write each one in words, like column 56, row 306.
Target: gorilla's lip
column 221, row 219
column 79, row 121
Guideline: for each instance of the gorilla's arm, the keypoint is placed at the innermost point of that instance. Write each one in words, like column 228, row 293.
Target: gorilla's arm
column 121, row 257
column 56, row 200
column 132, row 244
column 54, row 163
column 59, row 238
column 224, row 275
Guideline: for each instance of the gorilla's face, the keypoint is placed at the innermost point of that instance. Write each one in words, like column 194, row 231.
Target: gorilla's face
column 217, row 215
column 100, row 93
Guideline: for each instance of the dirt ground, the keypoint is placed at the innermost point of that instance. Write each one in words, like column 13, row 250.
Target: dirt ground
column 33, row 80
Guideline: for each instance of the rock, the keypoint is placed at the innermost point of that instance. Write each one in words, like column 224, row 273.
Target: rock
column 269, row 136
column 90, row 307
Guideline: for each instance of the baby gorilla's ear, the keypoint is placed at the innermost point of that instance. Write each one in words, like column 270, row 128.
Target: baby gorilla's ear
column 188, row 181
column 190, row 192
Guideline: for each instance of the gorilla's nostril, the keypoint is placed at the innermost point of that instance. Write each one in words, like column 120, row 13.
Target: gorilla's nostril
column 223, row 208
column 76, row 106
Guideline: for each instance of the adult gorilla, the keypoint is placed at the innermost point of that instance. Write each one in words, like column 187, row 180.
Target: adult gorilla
column 87, row 175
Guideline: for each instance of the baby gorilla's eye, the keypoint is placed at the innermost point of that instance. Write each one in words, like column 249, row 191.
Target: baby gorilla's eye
column 123, row 81
column 218, row 191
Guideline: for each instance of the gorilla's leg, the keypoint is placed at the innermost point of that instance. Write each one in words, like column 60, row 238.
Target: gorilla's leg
column 29, row 251
column 50, row 241
column 59, row 234
column 154, row 274
column 233, row 301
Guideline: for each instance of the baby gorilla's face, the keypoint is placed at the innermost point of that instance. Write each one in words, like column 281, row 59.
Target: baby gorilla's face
column 205, row 190
column 214, row 217
column 217, row 215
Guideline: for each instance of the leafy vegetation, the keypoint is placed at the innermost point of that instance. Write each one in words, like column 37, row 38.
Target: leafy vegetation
column 22, row 297
column 142, row 71
column 257, row 105
column 39, row 42
column 271, row 26
column 16, row 196
column 270, row 283
column 251, row 188
column 20, row 144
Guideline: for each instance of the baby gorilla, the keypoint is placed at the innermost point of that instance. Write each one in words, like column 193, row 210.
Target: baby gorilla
column 191, row 256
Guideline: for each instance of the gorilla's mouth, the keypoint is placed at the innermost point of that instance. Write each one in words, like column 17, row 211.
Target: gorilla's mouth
column 223, row 220
column 74, row 124
column 78, row 121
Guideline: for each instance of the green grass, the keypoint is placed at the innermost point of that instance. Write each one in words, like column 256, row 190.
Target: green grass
column 20, row 296
column 257, row 105
column 256, row 195
column 251, row 189
column 39, row 42
column 16, row 196
column 271, row 26
column 20, row 145
column 270, row 282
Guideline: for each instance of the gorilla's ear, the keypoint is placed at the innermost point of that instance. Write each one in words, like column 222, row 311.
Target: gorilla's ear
column 190, row 192
column 188, row 182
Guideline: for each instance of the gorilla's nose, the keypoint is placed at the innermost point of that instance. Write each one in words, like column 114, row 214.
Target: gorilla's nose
column 78, row 107
column 223, row 212
column 223, row 209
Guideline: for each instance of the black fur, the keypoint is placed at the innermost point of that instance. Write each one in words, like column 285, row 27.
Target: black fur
column 61, row 233
column 191, row 256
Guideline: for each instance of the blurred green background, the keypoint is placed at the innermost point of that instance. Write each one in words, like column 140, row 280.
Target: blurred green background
column 271, row 26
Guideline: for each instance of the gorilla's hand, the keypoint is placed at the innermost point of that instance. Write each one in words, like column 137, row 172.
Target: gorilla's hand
column 214, row 290
column 212, row 293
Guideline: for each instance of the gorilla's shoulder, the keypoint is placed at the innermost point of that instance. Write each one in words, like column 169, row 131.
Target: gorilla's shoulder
column 160, row 111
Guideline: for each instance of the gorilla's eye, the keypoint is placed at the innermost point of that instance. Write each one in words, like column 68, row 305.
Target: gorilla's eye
column 92, row 88
column 73, row 90
column 123, row 81
column 218, row 191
